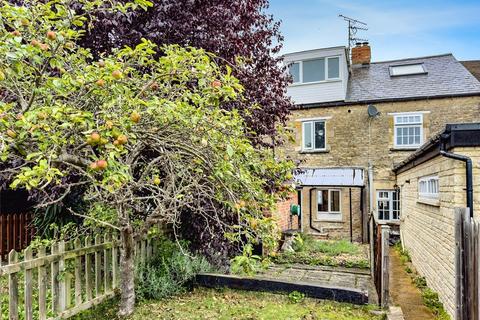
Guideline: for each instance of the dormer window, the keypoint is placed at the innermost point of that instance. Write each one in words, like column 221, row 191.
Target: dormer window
column 315, row 70
column 407, row 69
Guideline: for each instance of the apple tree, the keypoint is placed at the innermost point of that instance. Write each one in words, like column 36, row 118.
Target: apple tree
column 143, row 134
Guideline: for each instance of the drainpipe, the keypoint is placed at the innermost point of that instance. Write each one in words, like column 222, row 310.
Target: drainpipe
column 351, row 219
column 311, row 222
column 370, row 187
column 299, row 202
column 468, row 173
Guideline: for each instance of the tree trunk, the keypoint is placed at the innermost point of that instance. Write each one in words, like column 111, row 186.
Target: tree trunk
column 127, row 273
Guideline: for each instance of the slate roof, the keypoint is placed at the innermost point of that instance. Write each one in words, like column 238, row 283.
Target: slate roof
column 473, row 66
column 445, row 77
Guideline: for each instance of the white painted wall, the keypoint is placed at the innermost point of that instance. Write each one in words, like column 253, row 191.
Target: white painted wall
column 324, row 91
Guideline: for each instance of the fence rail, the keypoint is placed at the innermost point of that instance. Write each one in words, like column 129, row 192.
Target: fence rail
column 65, row 278
column 467, row 265
column 16, row 232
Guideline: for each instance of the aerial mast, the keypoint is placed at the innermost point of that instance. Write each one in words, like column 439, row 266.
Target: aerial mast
column 353, row 26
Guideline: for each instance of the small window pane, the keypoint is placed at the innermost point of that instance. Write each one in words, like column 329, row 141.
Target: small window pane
column 322, row 201
column 294, row 70
column 314, row 70
column 319, row 135
column 335, row 204
column 307, row 135
column 333, row 68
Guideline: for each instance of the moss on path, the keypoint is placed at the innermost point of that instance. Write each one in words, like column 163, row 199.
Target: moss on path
column 404, row 293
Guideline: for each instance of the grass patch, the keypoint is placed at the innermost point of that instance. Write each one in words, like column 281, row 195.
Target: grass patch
column 226, row 304
column 310, row 251
column 430, row 297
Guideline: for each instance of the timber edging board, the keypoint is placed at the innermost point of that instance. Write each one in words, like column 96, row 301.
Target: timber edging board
column 339, row 294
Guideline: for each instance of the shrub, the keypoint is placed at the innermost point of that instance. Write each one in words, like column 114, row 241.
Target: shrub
column 168, row 273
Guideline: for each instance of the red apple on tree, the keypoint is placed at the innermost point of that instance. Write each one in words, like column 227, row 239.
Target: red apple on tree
column 51, row 35
column 102, row 164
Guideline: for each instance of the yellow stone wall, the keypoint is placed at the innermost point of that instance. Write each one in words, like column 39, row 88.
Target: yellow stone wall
column 428, row 228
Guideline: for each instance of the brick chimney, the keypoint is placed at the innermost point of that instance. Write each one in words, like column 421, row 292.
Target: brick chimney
column 361, row 53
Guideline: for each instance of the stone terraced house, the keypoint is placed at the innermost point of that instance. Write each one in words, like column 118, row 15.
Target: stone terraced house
column 354, row 120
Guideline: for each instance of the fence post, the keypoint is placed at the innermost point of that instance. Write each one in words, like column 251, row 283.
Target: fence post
column 459, row 263
column 114, row 261
column 106, row 265
column 54, row 278
column 13, row 288
column 62, row 283
column 78, row 273
column 97, row 267
column 28, row 286
column 88, row 270
column 42, row 286
column 385, row 265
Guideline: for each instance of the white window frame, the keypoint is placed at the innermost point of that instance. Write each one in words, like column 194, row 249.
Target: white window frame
column 392, row 69
column 300, row 71
column 326, row 62
column 403, row 125
column 429, row 187
column 329, row 215
column 313, row 135
column 390, row 205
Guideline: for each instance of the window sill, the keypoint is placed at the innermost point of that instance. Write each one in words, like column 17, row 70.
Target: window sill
column 391, row 222
column 328, row 220
column 314, row 151
column 299, row 84
column 404, row 149
column 430, row 202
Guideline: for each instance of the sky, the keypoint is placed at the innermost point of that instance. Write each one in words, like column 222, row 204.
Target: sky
column 396, row 28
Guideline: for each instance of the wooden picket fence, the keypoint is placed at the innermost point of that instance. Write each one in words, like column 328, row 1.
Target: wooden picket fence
column 467, row 265
column 61, row 280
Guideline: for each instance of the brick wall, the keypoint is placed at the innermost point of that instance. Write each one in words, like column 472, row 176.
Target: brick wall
column 428, row 228
column 282, row 214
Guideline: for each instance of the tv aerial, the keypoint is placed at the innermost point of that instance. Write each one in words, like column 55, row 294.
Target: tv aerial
column 354, row 26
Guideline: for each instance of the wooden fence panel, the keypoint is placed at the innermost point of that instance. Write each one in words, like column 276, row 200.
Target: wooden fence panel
column 16, row 232
column 380, row 236
column 50, row 266
column 467, row 246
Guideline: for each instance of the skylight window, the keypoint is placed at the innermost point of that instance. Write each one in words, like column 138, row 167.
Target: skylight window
column 407, row 69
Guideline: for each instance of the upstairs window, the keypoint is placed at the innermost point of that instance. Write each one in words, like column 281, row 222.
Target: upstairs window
column 315, row 70
column 428, row 187
column 294, row 70
column 408, row 131
column 313, row 135
column 407, row 69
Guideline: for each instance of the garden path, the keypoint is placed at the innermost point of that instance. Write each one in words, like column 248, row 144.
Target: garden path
column 403, row 292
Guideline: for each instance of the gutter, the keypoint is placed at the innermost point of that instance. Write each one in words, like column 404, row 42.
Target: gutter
column 380, row 100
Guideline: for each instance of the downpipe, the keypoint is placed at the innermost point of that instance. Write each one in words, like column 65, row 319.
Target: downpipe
column 469, row 175
column 311, row 221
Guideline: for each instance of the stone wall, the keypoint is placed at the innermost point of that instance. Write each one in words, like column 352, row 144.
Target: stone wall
column 428, row 227
column 353, row 139
column 334, row 229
